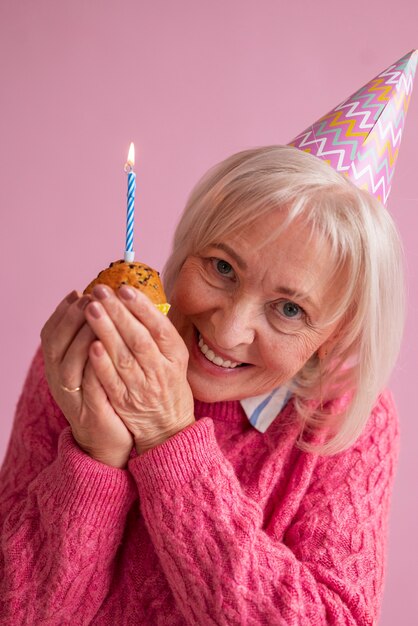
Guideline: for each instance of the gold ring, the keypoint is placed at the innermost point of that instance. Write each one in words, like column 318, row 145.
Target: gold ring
column 64, row 388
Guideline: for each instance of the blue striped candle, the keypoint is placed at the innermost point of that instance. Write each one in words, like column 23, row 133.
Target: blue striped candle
column 130, row 214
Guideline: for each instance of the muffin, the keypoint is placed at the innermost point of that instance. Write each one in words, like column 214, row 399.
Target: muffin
column 136, row 275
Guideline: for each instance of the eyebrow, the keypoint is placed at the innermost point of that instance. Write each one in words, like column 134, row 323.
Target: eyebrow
column 288, row 291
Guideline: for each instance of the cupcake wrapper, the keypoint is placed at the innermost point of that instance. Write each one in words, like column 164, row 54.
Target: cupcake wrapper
column 164, row 308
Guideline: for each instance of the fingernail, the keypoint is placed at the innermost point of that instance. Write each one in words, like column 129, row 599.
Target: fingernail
column 83, row 302
column 101, row 292
column 72, row 297
column 95, row 310
column 127, row 293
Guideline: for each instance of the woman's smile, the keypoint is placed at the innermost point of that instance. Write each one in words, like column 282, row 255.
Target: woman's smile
column 211, row 354
column 206, row 355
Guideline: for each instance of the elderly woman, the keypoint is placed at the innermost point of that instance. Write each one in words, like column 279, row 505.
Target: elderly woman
column 148, row 496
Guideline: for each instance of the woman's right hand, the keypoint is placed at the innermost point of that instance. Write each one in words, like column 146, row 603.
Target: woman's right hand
column 66, row 341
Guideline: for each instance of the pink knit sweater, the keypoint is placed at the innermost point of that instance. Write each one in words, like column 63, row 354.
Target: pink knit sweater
column 219, row 525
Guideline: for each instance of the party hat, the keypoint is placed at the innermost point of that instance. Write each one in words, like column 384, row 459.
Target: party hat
column 361, row 136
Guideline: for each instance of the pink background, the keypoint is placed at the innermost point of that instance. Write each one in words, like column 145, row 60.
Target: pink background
column 190, row 82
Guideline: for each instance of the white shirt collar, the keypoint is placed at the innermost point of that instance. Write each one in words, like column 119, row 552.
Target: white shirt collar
column 262, row 410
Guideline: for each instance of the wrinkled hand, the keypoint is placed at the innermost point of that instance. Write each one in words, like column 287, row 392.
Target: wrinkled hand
column 66, row 340
column 141, row 363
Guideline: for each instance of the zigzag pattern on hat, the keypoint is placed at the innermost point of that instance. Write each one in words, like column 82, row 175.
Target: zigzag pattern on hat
column 361, row 136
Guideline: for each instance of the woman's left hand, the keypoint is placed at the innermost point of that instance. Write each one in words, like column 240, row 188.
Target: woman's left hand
column 141, row 362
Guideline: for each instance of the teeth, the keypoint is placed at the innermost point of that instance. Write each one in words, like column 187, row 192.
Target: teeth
column 214, row 358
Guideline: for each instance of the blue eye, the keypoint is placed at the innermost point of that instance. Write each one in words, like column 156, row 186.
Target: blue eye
column 290, row 309
column 223, row 267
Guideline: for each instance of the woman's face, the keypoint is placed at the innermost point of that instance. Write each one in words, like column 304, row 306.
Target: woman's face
column 251, row 313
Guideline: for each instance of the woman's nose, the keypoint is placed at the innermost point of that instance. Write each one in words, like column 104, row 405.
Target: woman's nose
column 234, row 325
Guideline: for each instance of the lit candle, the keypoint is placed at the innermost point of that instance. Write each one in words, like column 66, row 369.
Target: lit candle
column 130, row 214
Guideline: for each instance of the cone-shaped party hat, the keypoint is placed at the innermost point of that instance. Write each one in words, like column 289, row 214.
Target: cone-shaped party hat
column 361, row 136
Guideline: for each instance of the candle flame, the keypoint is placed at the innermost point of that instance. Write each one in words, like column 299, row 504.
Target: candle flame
column 131, row 155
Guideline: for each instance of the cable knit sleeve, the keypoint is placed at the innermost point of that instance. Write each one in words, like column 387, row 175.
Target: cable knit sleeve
column 225, row 565
column 61, row 514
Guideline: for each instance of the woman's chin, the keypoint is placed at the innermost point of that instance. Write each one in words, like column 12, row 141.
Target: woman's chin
column 205, row 394
column 213, row 392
